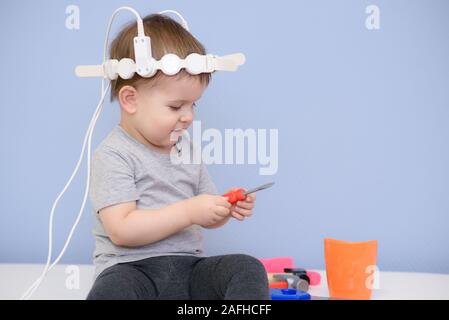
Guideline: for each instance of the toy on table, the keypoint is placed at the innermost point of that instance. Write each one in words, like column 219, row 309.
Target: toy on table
column 277, row 265
column 278, row 285
column 346, row 268
column 299, row 272
column 293, row 281
column 282, row 266
column 289, row 294
column 312, row 277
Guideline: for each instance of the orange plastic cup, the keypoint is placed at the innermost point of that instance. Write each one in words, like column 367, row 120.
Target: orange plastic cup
column 348, row 266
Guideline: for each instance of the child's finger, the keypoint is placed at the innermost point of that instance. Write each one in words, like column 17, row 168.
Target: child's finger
column 245, row 205
column 237, row 215
column 244, row 212
column 224, row 202
column 222, row 211
column 251, row 197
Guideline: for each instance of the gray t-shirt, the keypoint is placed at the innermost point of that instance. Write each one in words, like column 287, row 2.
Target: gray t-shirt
column 122, row 170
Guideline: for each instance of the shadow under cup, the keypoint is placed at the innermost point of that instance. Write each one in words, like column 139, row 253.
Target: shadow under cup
column 350, row 267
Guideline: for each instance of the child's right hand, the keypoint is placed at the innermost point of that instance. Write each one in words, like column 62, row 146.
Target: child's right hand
column 207, row 210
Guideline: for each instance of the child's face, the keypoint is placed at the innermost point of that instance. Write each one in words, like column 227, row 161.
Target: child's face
column 167, row 109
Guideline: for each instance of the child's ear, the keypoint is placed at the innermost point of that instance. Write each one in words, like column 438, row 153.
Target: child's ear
column 127, row 97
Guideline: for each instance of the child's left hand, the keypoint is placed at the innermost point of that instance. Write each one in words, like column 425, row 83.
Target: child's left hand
column 244, row 208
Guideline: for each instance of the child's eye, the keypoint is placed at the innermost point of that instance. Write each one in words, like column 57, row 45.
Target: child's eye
column 179, row 107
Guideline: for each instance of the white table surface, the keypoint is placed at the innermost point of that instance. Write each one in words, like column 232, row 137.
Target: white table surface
column 16, row 278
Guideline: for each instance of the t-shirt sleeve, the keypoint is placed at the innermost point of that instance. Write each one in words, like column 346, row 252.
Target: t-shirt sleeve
column 112, row 180
column 206, row 184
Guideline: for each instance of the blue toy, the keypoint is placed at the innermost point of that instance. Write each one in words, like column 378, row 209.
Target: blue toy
column 289, row 294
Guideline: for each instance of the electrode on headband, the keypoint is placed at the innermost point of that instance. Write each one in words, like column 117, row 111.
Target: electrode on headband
column 170, row 64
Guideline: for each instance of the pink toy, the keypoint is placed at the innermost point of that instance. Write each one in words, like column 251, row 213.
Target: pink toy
column 277, row 265
column 315, row 278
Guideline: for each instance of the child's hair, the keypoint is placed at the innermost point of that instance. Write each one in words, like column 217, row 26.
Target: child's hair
column 167, row 36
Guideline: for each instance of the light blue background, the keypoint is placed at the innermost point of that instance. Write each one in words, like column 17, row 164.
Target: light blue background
column 362, row 118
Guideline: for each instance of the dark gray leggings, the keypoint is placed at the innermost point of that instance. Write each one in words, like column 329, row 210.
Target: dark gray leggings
column 231, row 277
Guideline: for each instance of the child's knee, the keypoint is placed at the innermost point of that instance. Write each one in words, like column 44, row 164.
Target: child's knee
column 121, row 282
column 250, row 264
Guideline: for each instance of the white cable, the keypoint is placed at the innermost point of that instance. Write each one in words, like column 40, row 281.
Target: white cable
column 87, row 137
column 140, row 31
column 184, row 22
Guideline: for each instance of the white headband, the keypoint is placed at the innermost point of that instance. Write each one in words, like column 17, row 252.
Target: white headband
column 170, row 64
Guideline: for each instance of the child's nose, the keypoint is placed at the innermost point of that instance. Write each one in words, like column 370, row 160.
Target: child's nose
column 187, row 116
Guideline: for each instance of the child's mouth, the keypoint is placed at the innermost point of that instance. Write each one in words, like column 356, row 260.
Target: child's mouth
column 175, row 134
